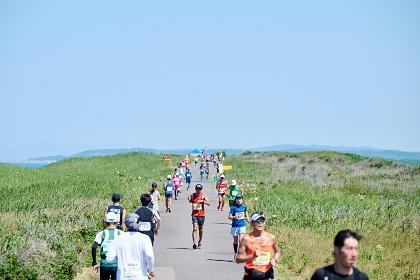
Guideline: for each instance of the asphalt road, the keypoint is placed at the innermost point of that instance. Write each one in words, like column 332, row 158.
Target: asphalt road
column 174, row 255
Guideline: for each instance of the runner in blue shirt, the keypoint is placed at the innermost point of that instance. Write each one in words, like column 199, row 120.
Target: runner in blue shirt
column 238, row 214
column 188, row 177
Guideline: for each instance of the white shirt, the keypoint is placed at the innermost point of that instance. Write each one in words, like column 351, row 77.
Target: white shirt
column 134, row 253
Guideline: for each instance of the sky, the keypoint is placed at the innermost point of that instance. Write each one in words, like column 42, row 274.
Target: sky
column 80, row 75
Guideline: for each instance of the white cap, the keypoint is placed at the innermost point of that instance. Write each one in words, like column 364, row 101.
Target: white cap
column 222, row 176
column 111, row 217
column 233, row 182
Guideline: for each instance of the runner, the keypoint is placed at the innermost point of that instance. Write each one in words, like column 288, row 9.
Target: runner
column 238, row 214
column 207, row 170
column 234, row 190
column 177, row 184
column 188, row 177
column 202, row 171
column 134, row 253
column 104, row 239
column 346, row 249
column 221, row 187
column 197, row 200
column 117, row 209
column 258, row 250
column 149, row 220
column 195, row 161
column 154, row 193
column 168, row 188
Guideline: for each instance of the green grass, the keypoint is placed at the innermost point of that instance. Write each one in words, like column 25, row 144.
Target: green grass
column 50, row 216
column 309, row 197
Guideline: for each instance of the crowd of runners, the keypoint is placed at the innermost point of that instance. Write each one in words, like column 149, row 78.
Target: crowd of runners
column 126, row 243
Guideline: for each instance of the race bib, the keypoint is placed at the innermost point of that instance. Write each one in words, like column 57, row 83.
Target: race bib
column 145, row 226
column 240, row 215
column 169, row 189
column 234, row 193
column 262, row 259
column 132, row 269
column 197, row 206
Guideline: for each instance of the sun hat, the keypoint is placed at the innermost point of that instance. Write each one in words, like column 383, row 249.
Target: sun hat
column 233, row 182
column 111, row 217
column 256, row 216
column 131, row 222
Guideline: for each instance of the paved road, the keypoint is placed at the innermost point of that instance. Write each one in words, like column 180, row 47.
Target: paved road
column 175, row 257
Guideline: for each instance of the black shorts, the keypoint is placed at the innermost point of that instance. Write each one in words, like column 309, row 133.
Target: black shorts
column 188, row 180
column 169, row 195
column 253, row 274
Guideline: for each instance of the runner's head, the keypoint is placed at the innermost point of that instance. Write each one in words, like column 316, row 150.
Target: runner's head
column 145, row 199
column 169, row 177
column 116, row 197
column 258, row 221
column 154, row 186
column 198, row 187
column 233, row 182
column 131, row 222
column 239, row 199
column 346, row 247
column 222, row 177
column 111, row 219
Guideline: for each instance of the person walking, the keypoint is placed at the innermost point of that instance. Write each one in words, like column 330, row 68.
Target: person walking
column 346, row 250
column 258, row 250
column 149, row 220
column 117, row 209
column 238, row 214
column 198, row 200
column 169, row 192
column 133, row 252
column 104, row 239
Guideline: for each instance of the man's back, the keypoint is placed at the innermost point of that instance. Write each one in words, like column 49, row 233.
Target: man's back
column 133, row 251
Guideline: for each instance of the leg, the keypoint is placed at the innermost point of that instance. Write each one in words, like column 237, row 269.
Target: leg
column 200, row 233
column 195, row 233
column 223, row 201
column 235, row 244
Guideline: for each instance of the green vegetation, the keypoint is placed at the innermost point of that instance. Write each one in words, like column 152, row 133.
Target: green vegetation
column 50, row 216
column 310, row 196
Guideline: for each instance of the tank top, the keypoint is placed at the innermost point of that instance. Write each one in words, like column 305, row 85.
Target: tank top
column 117, row 210
column 146, row 222
column 261, row 263
column 108, row 237
column 197, row 207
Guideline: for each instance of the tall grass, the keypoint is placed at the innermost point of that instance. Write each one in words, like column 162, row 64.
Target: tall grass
column 50, row 216
column 311, row 196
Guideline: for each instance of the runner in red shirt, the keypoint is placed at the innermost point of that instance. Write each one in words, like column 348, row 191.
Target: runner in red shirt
column 197, row 200
column 221, row 187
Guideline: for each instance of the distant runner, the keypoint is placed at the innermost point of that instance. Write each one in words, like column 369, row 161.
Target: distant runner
column 195, row 161
column 238, row 214
column 177, row 184
column 188, row 177
column 221, row 187
column 116, row 208
column 234, row 190
column 202, row 171
column 154, row 193
column 346, row 250
column 197, row 200
column 104, row 239
column 258, row 250
column 169, row 192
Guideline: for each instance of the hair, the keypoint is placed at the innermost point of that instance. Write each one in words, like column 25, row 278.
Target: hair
column 116, row 197
column 145, row 199
column 343, row 235
column 199, row 186
column 154, row 185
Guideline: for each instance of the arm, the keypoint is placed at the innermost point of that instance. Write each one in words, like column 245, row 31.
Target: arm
column 242, row 256
column 158, row 219
column 232, row 216
column 206, row 200
column 277, row 253
column 150, row 258
column 124, row 228
column 95, row 266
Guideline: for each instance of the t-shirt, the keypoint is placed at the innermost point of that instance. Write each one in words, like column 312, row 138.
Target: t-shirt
column 134, row 253
column 328, row 273
column 155, row 199
column 238, row 210
column 197, row 207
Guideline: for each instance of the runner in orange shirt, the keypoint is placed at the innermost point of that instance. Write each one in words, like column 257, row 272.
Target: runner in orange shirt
column 258, row 250
column 197, row 200
column 221, row 187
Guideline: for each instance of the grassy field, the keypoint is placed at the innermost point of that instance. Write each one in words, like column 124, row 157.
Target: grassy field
column 49, row 216
column 310, row 196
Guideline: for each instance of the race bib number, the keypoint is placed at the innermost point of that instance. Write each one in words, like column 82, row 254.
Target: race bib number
column 262, row 259
column 197, row 206
column 169, row 189
column 132, row 269
column 240, row 215
column 145, row 226
column 234, row 193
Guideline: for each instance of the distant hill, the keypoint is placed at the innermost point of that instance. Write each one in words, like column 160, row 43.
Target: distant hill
column 411, row 158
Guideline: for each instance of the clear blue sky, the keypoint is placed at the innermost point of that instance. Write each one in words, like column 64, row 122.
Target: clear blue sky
column 78, row 75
